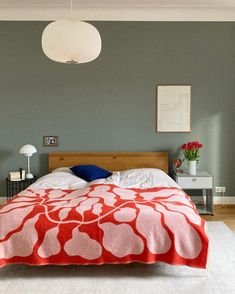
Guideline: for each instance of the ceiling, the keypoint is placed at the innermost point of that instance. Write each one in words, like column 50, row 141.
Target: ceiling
column 129, row 10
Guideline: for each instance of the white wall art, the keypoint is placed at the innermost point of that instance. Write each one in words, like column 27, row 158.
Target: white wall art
column 174, row 108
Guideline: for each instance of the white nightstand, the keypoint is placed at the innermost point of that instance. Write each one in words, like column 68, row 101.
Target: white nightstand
column 201, row 181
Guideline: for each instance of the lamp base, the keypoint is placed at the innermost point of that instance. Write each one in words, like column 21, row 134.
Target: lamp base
column 29, row 176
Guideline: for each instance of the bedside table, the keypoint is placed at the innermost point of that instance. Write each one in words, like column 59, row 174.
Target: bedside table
column 15, row 187
column 201, row 181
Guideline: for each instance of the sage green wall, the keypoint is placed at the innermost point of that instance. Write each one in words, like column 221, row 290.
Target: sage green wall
column 109, row 104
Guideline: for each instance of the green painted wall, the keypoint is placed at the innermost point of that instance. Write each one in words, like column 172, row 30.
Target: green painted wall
column 109, row 104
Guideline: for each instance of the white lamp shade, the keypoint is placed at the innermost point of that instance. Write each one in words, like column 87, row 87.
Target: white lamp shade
column 71, row 41
column 28, row 150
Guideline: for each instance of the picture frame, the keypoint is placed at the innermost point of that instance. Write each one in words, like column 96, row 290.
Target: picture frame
column 50, row 141
column 173, row 113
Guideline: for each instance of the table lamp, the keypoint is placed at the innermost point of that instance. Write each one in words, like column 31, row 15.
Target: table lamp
column 28, row 150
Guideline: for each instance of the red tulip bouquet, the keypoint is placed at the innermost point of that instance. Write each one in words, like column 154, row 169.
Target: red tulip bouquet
column 191, row 150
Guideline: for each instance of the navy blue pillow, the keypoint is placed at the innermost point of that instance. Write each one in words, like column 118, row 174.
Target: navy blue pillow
column 90, row 172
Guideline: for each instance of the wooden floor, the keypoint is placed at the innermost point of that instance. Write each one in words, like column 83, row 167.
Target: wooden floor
column 225, row 213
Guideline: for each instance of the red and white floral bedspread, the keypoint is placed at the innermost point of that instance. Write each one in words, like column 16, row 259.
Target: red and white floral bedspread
column 102, row 224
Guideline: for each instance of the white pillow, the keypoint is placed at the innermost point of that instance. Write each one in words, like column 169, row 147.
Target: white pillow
column 63, row 170
column 59, row 180
column 139, row 178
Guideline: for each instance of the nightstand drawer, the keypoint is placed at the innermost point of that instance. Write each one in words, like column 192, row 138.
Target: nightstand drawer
column 195, row 182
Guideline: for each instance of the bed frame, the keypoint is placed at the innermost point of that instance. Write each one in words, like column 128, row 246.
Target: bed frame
column 110, row 160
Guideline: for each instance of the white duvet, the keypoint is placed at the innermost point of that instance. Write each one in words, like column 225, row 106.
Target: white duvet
column 139, row 178
column 59, row 180
column 134, row 178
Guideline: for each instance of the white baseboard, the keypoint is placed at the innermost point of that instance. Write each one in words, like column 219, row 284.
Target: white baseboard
column 224, row 200
column 230, row 200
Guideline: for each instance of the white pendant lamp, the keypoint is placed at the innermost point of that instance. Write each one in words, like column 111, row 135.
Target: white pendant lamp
column 71, row 41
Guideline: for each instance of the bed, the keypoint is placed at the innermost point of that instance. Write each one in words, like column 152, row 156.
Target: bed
column 138, row 214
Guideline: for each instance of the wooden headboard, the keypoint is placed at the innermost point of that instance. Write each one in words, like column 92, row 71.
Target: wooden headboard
column 110, row 160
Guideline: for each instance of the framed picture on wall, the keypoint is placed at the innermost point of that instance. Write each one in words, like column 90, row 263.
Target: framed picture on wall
column 173, row 112
column 50, row 141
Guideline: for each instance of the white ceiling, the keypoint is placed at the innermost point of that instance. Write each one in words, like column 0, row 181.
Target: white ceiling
column 143, row 10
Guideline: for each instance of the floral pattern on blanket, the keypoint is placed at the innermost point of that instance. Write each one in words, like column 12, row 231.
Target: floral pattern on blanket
column 102, row 224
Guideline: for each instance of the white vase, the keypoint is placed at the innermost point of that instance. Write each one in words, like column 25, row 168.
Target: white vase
column 192, row 167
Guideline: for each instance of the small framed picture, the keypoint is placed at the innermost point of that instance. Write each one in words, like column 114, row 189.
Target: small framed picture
column 50, row 141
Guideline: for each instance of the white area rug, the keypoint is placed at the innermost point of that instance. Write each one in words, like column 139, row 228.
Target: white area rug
column 132, row 278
